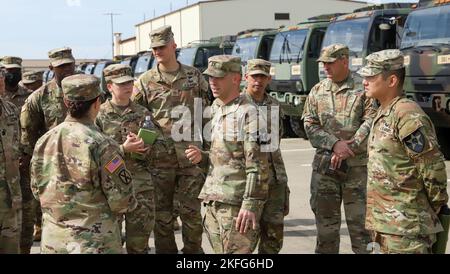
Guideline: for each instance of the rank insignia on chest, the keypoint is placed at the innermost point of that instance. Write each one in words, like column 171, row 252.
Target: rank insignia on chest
column 415, row 141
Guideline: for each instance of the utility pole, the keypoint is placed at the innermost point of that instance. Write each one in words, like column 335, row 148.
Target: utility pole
column 112, row 30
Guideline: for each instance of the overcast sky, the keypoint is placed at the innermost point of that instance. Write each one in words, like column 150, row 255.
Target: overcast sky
column 31, row 28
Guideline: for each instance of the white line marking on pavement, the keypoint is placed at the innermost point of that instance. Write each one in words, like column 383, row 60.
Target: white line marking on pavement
column 305, row 165
column 298, row 150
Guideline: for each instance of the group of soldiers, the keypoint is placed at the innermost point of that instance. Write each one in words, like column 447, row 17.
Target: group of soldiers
column 377, row 152
column 79, row 157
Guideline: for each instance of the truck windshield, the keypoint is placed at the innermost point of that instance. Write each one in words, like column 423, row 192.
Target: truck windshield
column 288, row 46
column 126, row 62
column 348, row 32
column 246, row 48
column 98, row 71
column 187, row 56
column 427, row 27
column 142, row 65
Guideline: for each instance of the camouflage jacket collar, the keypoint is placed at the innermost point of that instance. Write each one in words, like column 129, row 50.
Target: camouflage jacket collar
column 110, row 108
column 182, row 74
column 52, row 87
column 265, row 102
column 348, row 83
column 85, row 120
column 231, row 107
column 21, row 91
column 387, row 111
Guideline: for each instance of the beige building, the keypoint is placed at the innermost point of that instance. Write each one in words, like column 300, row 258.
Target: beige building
column 207, row 19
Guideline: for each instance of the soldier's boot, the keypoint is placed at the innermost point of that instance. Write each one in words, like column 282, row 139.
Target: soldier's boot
column 37, row 233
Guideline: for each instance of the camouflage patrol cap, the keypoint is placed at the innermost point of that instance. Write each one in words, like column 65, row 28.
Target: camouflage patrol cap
column 220, row 65
column 118, row 74
column 81, row 87
column 258, row 66
column 31, row 77
column 61, row 56
column 11, row 62
column 333, row 52
column 385, row 60
column 161, row 36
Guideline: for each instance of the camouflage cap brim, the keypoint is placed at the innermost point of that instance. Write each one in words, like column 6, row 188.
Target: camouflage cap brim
column 369, row 71
column 10, row 66
column 61, row 62
column 121, row 80
column 326, row 59
column 214, row 72
column 255, row 72
column 96, row 93
column 160, row 43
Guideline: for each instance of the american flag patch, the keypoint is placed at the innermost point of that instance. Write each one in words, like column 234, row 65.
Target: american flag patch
column 114, row 164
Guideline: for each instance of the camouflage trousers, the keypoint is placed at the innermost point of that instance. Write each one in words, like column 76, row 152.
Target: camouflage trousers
column 99, row 237
column 327, row 194
column 10, row 220
column 139, row 223
column 31, row 215
column 401, row 244
column 189, row 187
column 272, row 219
column 220, row 226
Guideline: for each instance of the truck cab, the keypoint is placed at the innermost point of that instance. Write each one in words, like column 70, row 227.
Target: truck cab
column 367, row 30
column 294, row 68
column 426, row 47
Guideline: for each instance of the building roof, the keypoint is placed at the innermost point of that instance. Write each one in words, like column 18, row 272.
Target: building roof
column 212, row 1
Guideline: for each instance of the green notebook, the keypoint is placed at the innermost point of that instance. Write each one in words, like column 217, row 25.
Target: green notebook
column 149, row 137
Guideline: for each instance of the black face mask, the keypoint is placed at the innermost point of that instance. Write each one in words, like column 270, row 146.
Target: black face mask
column 12, row 79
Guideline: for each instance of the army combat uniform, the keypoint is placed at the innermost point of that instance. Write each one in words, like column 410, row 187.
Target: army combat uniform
column 116, row 123
column 18, row 97
column 336, row 112
column 238, row 170
column 43, row 110
column 277, row 204
column 10, row 193
column 407, row 181
column 31, row 77
column 168, row 97
column 80, row 178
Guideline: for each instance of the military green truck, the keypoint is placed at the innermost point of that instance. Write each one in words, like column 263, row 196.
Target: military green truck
column 367, row 30
column 294, row 68
column 144, row 62
column 253, row 43
column 196, row 53
column 426, row 46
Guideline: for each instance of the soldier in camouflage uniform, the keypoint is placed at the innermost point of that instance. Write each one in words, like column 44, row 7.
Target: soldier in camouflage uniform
column 79, row 176
column 43, row 110
column 407, row 181
column 31, row 80
column 15, row 93
column 10, row 193
column 171, row 90
column 277, row 204
column 120, row 118
column 237, row 183
column 337, row 119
